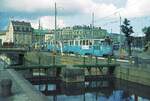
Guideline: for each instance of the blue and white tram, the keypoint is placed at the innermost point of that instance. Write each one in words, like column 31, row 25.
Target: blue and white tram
column 50, row 46
column 96, row 47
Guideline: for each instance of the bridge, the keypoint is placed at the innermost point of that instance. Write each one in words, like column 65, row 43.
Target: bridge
column 59, row 72
column 16, row 55
column 13, row 50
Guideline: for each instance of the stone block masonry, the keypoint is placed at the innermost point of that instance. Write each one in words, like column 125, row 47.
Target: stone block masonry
column 71, row 74
column 134, row 74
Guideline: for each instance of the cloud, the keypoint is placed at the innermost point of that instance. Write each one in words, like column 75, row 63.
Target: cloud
column 47, row 22
column 73, row 12
column 24, row 5
column 64, row 7
column 136, row 8
column 132, row 8
column 41, row 6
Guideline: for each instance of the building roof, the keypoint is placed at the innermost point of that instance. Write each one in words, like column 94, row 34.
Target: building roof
column 21, row 26
column 20, row 23
column 40, row 31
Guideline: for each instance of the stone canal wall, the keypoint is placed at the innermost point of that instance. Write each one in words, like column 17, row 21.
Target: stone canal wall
column 35, row 57
column 71, row 74
column 21, row 89
column 140, row 74
column 134, row 74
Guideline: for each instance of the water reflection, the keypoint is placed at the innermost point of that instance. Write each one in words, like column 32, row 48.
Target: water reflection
column 95, row 91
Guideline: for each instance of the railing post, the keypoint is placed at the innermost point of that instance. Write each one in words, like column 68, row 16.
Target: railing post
column 54, row 58
column 96, row 60
column 46, row 73
column 39, row 60
column 84, row 60
column 39, row 78
column 136, row 61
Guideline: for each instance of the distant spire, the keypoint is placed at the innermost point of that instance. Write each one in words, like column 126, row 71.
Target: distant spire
column 93, row 20
column 11, row 18
column 55, row 17
column 39, row 24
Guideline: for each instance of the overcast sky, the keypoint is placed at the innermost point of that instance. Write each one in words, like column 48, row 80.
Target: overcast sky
column 77, row 12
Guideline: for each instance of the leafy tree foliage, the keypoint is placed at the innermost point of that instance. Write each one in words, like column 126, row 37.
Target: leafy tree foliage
column 108, row 40
column 127, row 30
column 146, row 31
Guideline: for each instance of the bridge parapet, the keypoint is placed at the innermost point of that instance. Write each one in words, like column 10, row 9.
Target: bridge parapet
column 12, row 50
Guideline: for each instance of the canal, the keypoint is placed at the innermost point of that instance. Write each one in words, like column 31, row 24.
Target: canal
column 99, row 90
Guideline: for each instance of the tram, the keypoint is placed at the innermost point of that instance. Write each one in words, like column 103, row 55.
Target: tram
column 95, row 47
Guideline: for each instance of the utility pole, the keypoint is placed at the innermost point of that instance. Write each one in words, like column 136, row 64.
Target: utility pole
column 92, row 25
column 55, row 18
column 120, row 30
column 55, row 25
column 111, row 31
column 93, row 19
column 120, row 48
column 92, row 30
column 39, row 24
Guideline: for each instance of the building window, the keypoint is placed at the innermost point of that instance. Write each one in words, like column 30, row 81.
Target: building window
column 23, row 29
column 27, row 29
column 83, row 42
column 15, row 28
column 18, row 29
column 87, row 42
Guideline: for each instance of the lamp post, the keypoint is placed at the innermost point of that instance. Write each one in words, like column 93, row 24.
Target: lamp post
column 120, row 30
column 55, row 26
column 55, row 32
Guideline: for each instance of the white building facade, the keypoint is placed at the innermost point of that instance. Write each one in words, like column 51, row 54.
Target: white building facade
column 19, row 33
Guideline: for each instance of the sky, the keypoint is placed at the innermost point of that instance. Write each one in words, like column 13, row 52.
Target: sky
column 107, row 13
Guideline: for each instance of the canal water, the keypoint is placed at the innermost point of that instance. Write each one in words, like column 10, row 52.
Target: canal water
column 114, row 90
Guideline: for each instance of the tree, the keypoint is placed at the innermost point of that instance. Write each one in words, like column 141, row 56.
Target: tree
column 127, row 30
column 108, row 40
column 146, row 31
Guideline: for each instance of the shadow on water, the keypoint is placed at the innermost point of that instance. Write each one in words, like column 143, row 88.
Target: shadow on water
column 102, row 90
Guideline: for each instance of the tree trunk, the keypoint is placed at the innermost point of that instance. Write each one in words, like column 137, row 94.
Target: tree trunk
column 129, row 49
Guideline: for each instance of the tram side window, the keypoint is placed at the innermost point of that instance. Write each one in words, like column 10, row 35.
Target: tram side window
column 65, row 43
column 90, row 43
column 72, row 43
column 86, row 42
column 104, row 43
column 80, row 42
column 83, row 42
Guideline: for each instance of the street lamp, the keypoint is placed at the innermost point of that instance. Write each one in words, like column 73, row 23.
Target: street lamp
column 55, row 32
column 55, row 27
column 120, row 30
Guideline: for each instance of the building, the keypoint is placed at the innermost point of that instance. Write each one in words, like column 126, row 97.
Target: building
column 19, row 33
column 117, row 38
column 39, row 36
column 49, row 37
column 138, row 42
column 2, row 37
column 80, row 32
